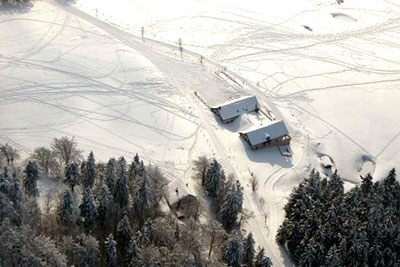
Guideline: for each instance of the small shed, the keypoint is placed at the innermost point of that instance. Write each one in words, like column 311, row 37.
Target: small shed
column 272, row 134
column 230, row 110
column 181, row 199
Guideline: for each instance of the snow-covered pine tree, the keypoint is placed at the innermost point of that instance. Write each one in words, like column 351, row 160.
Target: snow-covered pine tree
column 83, row 173
column 111, row 252
column 83, row 252
column 133, row 251
column 136, row 159
column 4, row 184
column 30, row 179
column 134, row 167
column 335, row 186
column 89, row 172
column 249, row 250
column 65, row 210
column 103, row 206
column 213, row 182
column 6, row 173
column 262, row 260
column 142, row 239
column 121, row 194
column 232, row 205
column 15, row 192
column 142, row 169
column 148, row 230
column 88, row 209
column 110, row 175
column 72, row 175
column 233, row 251
column 141, row 201
column 124, row 238
column 8, row 211
column 121, row 166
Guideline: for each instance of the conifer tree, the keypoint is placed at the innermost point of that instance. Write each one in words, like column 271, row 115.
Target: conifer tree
column 72, row 175
column 214, row 179
column 232, row 206
column 104, row 206
column 89, row 171
column 4, row 184
column 133, row 252
column 65, row 209
column 110, row 176
column 111, row 252
column 148, row 230
column 233, row 251
column 134, row 167
column 141, row 201
column 88, row 209
column 249, row 250
column 262, row 260
column 121, row 194
column 124, row 239
column 30, row 179
column 15, row 192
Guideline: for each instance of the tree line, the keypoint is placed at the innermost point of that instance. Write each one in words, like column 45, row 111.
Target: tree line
column 226, row 197
column 324, row 226
column 109, row 214
column 15, row 3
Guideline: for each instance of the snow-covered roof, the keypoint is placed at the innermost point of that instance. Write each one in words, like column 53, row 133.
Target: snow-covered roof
column 236, row 107
column 259, row 134
column 177, row 190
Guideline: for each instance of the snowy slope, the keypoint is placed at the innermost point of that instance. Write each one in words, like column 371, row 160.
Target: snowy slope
column 61, row 76
column 332, row 69
column 120, row 96
column 63, row 70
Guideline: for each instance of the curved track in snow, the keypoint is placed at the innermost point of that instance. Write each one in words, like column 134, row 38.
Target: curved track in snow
column 180, row 73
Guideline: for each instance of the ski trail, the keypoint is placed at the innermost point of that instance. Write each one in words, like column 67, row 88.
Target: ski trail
column 181, row 74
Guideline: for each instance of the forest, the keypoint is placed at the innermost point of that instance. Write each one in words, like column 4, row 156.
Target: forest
column 110, row 214
column 325, row 226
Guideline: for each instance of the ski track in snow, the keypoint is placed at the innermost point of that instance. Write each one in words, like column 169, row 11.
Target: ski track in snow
column 89, row 86
column 259, row 41
column 177, row 72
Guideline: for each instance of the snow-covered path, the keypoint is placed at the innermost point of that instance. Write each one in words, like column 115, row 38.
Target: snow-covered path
column 65, row 72
column 188, row 76
column 331, row 68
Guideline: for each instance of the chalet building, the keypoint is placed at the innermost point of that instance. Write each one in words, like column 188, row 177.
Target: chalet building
column 181, row 199
column 273, row 134
column 230, row 110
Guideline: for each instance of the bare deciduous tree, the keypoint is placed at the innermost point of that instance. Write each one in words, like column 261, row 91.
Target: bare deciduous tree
column 46, row 159
column 216, row 234
column 200, row 166
column 9, row 153
column 246, row 215
column 254, row 183
column 66, row 149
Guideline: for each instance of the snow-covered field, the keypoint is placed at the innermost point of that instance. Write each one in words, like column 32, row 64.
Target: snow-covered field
column 68, row 71
column 332, row 69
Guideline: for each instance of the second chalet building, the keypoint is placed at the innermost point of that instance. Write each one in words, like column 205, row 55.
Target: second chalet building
column 273, row 134
column 230, row 110
column 181, row 198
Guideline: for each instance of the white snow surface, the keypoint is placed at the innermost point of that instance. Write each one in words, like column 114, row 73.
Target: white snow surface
column 85, row 71
column 333, row 70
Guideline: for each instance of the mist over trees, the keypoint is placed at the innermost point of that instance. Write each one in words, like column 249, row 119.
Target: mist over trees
column 324, row 226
